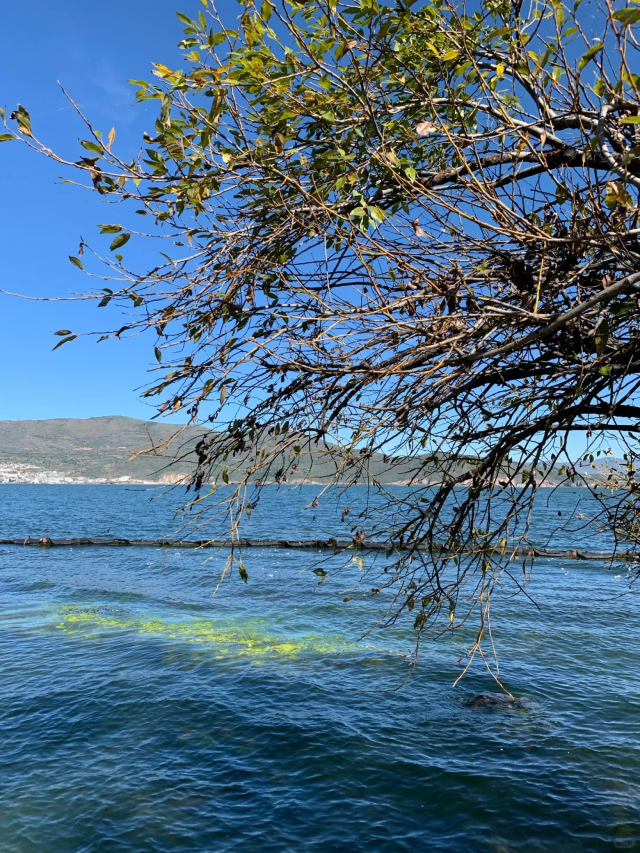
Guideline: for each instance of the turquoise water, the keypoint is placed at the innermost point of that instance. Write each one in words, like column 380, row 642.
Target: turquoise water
column 141, row 712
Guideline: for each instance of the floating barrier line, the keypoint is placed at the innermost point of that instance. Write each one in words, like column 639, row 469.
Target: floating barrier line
column 302, row 544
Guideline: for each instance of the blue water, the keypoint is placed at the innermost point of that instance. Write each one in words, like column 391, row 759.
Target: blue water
column 139, row 711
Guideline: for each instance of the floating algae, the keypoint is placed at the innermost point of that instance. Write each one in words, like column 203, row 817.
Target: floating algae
column 249, row 639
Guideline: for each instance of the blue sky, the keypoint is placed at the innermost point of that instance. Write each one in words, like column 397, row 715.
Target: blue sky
column 92, row 49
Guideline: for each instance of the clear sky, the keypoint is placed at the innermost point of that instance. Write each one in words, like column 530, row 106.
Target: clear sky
column 92, row 49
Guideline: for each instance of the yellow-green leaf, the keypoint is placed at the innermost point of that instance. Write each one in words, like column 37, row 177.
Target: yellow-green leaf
column 601, row 343
column 91, row 146
column 627, row 16
column 616, row 194
column 24, row 120
column 120, row 240
column 588, row 56
column 65, row 341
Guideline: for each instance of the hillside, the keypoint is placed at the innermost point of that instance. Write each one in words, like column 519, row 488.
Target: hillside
column 104, row 450
column 95, row 448
column 101, row 449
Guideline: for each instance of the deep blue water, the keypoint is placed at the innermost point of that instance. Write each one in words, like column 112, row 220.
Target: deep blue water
column 141, row 712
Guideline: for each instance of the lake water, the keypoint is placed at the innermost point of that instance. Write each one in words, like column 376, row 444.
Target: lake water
column 141, row 712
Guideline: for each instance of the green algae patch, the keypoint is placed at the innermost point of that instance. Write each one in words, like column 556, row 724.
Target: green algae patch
column 250, row 639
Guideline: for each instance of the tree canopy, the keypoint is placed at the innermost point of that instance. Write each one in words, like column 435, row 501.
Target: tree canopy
column 408, row 229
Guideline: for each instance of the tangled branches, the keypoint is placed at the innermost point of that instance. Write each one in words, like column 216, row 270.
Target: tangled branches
column 406, row 230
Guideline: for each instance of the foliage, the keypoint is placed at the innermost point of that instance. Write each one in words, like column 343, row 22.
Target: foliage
column 401, row 228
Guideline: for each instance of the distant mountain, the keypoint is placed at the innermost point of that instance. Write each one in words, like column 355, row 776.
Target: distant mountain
column 95, row 449
column 105, row 450
column 101, row 449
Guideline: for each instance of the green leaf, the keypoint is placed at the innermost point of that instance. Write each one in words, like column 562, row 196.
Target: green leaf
column 243, row 573
column 165, row 112
column 267, row 10
column 24, row 120
column 110, row 229
column 225, row 476
column 588, row 56
column 410, row 172
column 627, row 16
column 602, row 341
column 6, row 137
column 76, row 261
column 320, row 572
column 605, row 371
column 120, row 240
column 248, row 510
column 63, row 332
column 616, row 194
column 65, row 341
column 158, row 354
column 91, row 146
column 622, row 308
column 183, row 18
column 627, row 120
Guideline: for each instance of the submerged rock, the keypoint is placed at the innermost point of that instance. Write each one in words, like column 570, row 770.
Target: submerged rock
column 499, row 702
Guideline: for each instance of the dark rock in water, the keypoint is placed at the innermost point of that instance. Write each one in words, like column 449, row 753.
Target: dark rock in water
column 499, row 702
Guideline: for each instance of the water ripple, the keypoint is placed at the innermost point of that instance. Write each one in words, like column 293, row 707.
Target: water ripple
column 138, row 712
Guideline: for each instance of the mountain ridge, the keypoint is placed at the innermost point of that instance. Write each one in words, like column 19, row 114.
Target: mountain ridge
column 89, row 449
column 110, row 449
column 115, row 449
